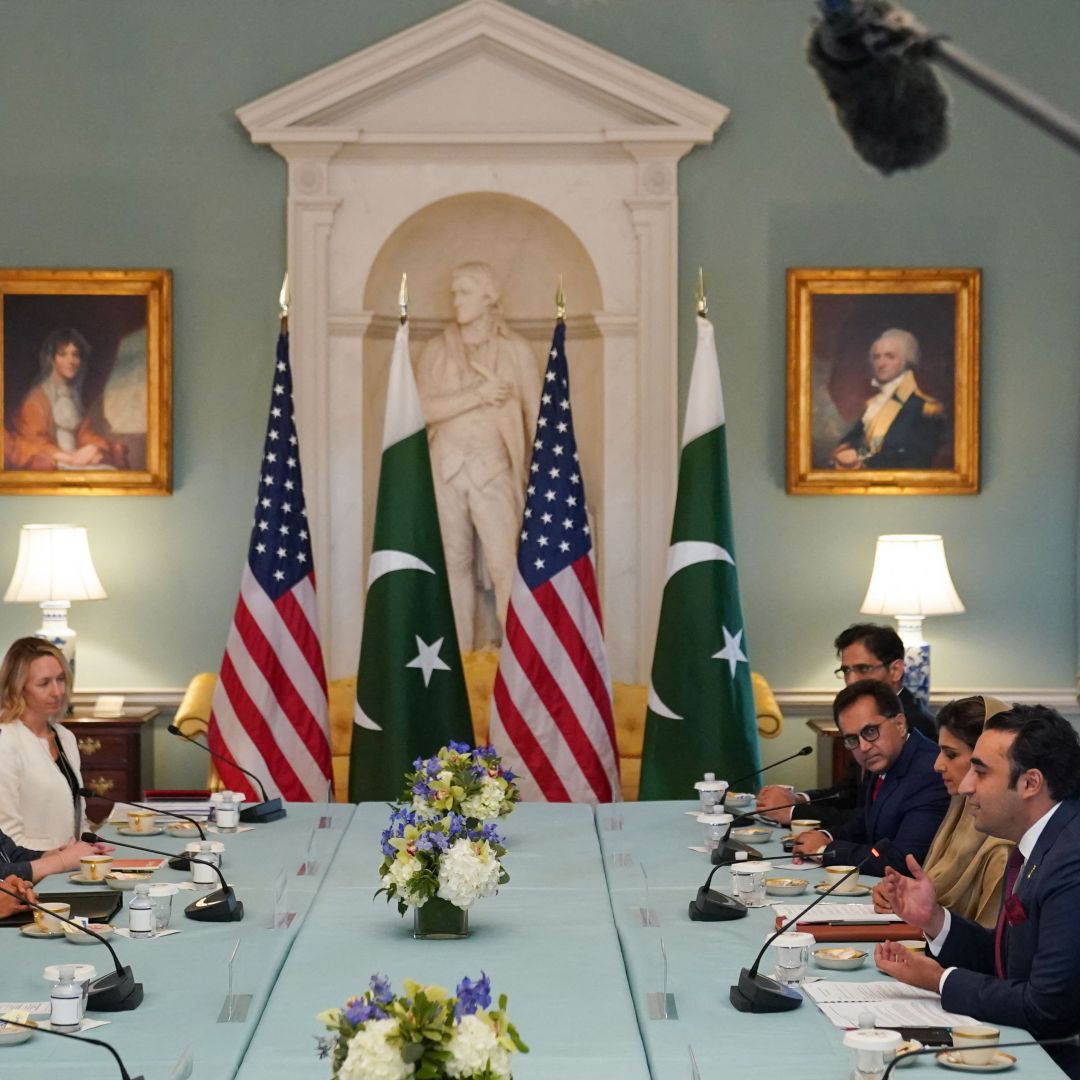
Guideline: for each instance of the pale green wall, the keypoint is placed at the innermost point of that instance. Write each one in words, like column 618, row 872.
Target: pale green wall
column 118, row 147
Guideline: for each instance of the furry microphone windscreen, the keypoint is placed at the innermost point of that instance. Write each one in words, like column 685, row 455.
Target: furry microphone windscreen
column 889, row 101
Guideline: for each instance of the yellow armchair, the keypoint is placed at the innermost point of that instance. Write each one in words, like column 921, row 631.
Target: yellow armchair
column 193, row 718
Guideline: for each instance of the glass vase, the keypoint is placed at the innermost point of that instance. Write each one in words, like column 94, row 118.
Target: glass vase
column 439, row 920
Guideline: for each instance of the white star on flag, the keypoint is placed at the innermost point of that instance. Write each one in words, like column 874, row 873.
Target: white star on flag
column 732, row 651
column 427, row 659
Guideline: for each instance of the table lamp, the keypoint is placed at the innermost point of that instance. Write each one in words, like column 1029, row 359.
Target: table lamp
column 910, row 580
column 53, row 569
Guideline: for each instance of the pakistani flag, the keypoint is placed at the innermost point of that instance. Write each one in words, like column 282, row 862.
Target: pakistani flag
column 701, row 714
column 410, row 686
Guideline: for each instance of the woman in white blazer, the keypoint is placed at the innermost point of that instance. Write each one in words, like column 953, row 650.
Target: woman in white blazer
column 39, row 759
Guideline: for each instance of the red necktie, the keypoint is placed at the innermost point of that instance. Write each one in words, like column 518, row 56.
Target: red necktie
column 878, row 781
column 1012, row 871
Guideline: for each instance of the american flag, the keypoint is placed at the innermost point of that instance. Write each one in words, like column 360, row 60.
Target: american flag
column 270, row 709
column 551, row 713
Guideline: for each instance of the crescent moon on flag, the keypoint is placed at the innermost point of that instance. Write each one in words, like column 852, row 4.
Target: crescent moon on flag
column 658, row 707
column 361, row 718
column 385, row 562
column 689, row 552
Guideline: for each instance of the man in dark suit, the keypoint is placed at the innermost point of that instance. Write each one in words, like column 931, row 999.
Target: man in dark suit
column 1023, row 785
column 865, row 651
column 902, row 799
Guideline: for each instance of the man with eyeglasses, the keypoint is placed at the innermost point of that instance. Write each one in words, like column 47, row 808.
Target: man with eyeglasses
column 902, row 798
column 866, row 651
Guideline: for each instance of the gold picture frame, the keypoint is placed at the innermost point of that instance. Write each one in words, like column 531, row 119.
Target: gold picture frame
column 86, row 382
column 915, row 431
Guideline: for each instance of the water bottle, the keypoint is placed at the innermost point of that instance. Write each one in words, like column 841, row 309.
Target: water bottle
column 65, row 1000
column 227, row 813
column 141, row 913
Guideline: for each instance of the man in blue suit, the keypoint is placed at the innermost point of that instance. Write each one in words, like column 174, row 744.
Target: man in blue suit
column 902, row 800
column 1023, row 785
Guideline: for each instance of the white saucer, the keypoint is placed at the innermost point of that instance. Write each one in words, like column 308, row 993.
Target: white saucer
column 35, row 931
column 78, row 879
column 860, row 890
column 126, row 830
column 1000, row 1062
column 77, row 937
column 10, row 1035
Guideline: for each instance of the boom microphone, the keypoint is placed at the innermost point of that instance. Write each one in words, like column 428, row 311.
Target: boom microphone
column 740, row 818
column 124, row 1074
column 260, row 813
column 709, row 906
column 758, row 993
column 115, row 992
column 764, row 768
column 220, row 905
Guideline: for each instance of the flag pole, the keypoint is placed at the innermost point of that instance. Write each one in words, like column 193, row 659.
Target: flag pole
column 403, row 300
column 702, row 301
column 283, row 303
column 560, row 302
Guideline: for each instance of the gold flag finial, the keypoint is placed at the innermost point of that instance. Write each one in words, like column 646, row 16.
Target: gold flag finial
column 702, row 302
column 283, row 299
column 403, row 299
column 560, row 302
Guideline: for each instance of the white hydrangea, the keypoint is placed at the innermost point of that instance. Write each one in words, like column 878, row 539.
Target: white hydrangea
column 373, row 1057
column 401, row 873
column 474, row 1047
column 486, row 803
column 468, row 871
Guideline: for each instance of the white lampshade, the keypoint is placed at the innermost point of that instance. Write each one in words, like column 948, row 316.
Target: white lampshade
column 910, row 577
column 54, row 564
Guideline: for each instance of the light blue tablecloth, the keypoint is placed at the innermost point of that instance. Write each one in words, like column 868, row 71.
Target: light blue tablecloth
column 547, row 941
column 704, row 959
column 184, row 976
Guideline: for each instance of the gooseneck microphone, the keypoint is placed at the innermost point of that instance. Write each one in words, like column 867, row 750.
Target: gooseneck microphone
column 758, row 993
column 258, row 814
column 764, row 768
column 902, row 1059
column 709, row 906
column 219, row 906
column 116, row 992
column 124, row 1074
column 873, row 60
column 740, row 818
column 178, row 863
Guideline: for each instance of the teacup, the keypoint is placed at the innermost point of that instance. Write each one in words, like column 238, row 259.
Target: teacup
column 46, row 922
column 834, row 878
column 141, row 821
column 95, row 867
column 801, row 825
column 983, row 1036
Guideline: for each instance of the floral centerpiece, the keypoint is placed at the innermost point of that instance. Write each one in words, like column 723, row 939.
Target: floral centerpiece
column 423, row 1033
column 462, row 780
column 439, row 866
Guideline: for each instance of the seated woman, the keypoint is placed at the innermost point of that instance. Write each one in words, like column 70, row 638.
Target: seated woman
column 965, row 866
column 40, row 805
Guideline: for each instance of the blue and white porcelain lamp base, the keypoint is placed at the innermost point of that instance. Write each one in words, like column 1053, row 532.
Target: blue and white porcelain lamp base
column 916, row 658
column 54, row 628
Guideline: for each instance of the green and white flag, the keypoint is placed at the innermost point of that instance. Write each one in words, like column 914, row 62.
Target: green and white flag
column 701, row 714
column 410, row 686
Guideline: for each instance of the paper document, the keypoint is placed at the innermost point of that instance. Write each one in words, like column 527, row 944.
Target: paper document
column 838, row 913
column 892, row 1004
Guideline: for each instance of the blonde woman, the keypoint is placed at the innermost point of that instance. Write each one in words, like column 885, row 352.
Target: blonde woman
column 40, row 805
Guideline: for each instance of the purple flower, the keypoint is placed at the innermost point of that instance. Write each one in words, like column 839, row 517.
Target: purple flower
column 472, row 996
column 380, row 989
column 421, row 788
column 459, row 747
column 360, row 1010
column 509, row 774
column 489, row 833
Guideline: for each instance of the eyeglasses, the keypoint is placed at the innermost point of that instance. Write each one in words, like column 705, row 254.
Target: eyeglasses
column 862, row 670
column 871, row 733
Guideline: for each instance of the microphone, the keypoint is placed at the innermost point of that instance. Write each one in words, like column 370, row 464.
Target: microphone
column 124, row 1074
column 259, row 813
column 174, row 864
column 758, row 993
column 764, row 768
column 902, row 1059
column 116, row 992
column 219, row 906
column 740, row 818
column 709, row 906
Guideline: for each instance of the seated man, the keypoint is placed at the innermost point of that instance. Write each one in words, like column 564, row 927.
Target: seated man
column 31, row 865
column 1023, row 785
column 866, row 651
column 9, row 905
column 903, row 799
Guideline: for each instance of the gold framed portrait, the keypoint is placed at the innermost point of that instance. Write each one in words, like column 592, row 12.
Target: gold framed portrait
column 883, row 381
column 86, row 382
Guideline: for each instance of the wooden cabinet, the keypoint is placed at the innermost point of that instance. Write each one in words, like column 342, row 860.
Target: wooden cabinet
column 116, row 756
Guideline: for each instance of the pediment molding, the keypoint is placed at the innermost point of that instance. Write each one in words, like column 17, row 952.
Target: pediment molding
column 451, row 79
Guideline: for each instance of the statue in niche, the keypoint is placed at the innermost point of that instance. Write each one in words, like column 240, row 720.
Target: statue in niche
column 479, row 385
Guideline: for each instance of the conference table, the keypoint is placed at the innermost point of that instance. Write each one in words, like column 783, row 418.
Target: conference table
column 579, row 940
